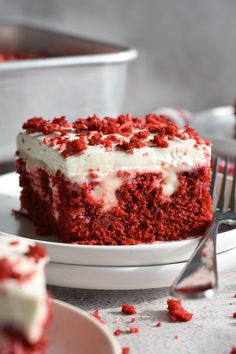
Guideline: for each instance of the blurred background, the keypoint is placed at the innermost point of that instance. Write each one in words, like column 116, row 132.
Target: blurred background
column 186, row 48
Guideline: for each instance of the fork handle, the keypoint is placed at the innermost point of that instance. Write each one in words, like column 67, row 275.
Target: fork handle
column 199, row 278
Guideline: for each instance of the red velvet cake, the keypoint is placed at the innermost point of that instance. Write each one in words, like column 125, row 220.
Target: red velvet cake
column 114, row 181
column 24, row 303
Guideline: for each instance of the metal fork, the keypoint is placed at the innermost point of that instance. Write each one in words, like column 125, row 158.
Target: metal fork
column 199, row 278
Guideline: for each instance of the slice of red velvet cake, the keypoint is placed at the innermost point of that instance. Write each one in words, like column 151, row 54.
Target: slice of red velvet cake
column 24, row 304
column 114, row 181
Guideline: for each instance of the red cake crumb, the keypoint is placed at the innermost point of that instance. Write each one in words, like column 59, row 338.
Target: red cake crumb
column 133, row 330
column 126, row 350
column 128, row 309
column 234, row 315
column 158, row 324
column 14, row 243
column 132, row 320
column 176, row 337
column 177, row 312
column 36, row 252
column 97, row 316
column 118, row 332
column 234, row 296
column 233, row 350
column 7, row 272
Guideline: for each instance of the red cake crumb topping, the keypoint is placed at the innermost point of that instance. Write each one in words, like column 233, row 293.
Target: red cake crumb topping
column 7, row 271
column 128, row 309
column 158, row 324
column 132, row 320
column 20, row 56
column 125, row 350
column 177, row 312
column 97, row 316
column 133, row 330
column 234, row 315
column 233, row 350
column 234, row 296
column 14, row 243
column 120, row 132
column 118, row 332
column 36, row 252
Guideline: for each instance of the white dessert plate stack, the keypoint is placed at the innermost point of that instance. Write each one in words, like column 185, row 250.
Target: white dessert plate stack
column 107, row 267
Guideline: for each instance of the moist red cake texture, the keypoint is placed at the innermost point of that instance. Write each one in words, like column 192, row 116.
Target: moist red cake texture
column 142, row 213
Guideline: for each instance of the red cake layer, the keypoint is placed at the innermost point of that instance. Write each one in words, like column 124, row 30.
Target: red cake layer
column 14, row 343
column 143, row 214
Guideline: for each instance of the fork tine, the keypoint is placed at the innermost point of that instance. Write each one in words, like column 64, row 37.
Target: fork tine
column 222, row 199
column 232, row 203
column 214, row 177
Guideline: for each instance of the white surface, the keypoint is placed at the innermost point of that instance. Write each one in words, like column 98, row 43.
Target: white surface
column 217, row 125
column 73, row 331
column 211, row 331
column 29, row 296
column 149, row 254
column 125, row 278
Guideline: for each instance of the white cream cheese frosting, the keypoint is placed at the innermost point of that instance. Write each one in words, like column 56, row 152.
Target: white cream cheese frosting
column 23, row 303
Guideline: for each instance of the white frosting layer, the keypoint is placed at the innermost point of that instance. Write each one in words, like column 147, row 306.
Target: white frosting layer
column 179, row 156
column 23, row 304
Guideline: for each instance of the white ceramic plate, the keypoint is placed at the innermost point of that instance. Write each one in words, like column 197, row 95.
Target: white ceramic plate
column 73, row 331
column 138, row 255
column 125, row 278
column 217, row 125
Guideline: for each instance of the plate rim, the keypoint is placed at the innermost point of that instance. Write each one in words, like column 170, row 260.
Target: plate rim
column 102, row 328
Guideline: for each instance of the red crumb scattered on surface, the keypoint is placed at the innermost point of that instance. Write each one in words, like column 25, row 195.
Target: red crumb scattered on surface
column 158, row 324
column 234, row 296
column 14, row 243
column 233, row 350
column 36, row 252
column 132, row 320
column 234, row 315
column 176, row 337
column 177, row 312
column 118, row 332
column 128, row 309
column 126, row 350
column 97, row 316
column 133, row 330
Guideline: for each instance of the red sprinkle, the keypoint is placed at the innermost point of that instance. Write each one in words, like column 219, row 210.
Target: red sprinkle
column 133, row 330
column 132, row 320
column 177, row 312
column 126, row 350
column 128, row 309
column 37, row 252
column 118, row 332
column 97, row 316
column 14, row 243
column 158, row 324
column 7, row 271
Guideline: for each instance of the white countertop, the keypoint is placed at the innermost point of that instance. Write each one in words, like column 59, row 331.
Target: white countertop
column 212, row 329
